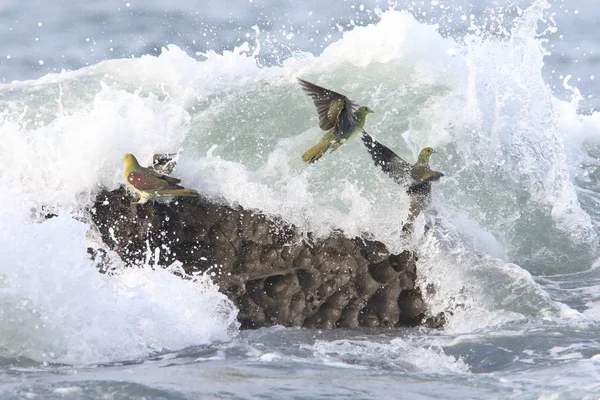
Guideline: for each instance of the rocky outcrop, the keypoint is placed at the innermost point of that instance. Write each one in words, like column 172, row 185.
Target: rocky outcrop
column 273, row 274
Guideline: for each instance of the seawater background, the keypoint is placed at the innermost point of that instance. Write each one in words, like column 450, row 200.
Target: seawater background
column 514, row 251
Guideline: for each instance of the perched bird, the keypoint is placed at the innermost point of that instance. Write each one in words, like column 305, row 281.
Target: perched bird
column 149, row 184
column 337, row 115
column 417, row 177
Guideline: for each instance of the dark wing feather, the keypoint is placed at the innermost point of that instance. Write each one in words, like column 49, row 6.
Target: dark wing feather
column 331, row 106
column 419, row 189
column 142, row 180
column 169, row 179
column 166, row 178
column 389, row 161
column 347, row 122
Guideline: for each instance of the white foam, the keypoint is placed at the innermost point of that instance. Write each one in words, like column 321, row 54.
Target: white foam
column 592, row 310
column 397, row 353
column 476, row 290
column 56, row 307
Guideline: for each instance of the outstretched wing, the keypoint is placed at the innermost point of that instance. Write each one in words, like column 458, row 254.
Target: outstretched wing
column 334, row 109
column 389, row 161
column 147, row 179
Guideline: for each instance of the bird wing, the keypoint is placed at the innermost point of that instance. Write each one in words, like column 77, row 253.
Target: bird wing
column 334, row 109
column 431, row 176
column 164, row 177
column 347, row 121
column 389, row 161
column 149, row 180
column 422, row 173
column 419, row 189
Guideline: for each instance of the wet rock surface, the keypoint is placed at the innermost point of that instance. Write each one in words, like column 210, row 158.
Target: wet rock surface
column 273, row 274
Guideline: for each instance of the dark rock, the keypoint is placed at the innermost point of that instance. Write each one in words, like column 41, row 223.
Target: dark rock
column 273, row 274
column 435, row 322
column 412, row 307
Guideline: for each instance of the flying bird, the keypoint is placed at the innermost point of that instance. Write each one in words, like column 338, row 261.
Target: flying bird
column 148, row 183
column 401, row 171
column 416, row 177
column 337, row 115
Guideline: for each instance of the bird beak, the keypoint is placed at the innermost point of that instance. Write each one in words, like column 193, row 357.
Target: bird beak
column 434, row 151
column 371, row 112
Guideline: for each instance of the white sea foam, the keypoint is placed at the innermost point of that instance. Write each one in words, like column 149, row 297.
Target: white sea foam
column 397, row 354
column 55, row 306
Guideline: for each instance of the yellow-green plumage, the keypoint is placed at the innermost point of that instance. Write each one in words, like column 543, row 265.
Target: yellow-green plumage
column 337, row 116
column 149, row 184
column 401, row 171
column 420, row 171
column 416, row 177
column 317, row 151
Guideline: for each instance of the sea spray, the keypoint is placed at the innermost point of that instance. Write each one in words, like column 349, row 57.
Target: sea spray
column 240, row 130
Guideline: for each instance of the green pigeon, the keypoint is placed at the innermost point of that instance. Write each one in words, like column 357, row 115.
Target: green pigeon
column 417, row 177
column 148, row 183
column 401, row 171
column 337, row 115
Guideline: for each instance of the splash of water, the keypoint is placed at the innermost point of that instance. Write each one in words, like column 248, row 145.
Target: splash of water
column 503, row 141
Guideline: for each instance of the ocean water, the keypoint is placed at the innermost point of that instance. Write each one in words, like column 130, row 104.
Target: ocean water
column 505, row 91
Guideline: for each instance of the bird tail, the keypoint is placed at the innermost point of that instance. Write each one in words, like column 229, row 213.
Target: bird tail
column 178, row 192
column 317, row 151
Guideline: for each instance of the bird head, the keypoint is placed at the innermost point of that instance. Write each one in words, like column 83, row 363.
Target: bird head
column 425, row 154
column 364, row 111
column 130, row 161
